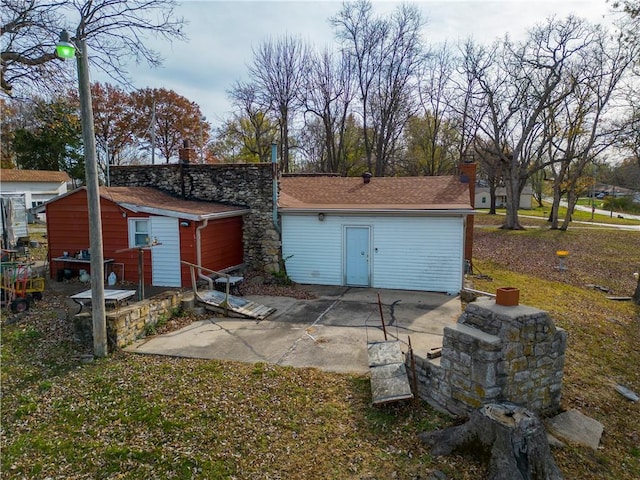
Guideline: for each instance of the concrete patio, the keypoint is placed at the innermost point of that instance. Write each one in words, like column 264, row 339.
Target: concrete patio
column 330, row 332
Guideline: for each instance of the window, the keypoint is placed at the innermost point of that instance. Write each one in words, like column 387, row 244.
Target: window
column 138, row 232
column 484, row 199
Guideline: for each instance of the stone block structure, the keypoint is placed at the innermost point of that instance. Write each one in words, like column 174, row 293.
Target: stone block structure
column 495, row 354
column 247, row 185
column 128, row 323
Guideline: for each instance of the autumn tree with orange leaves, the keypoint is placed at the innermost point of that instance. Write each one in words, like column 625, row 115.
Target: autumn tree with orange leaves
column 113, row 115
column 171, row 119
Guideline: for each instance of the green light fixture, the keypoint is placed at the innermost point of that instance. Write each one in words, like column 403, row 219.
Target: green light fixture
column 64, row 48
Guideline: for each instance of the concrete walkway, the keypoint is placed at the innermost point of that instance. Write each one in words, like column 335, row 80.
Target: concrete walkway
column 330, row 332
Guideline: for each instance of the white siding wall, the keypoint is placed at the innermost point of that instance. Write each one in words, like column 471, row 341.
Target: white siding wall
column 312, row 250
column 411, row 253
column 165, row 258
column 36, row 191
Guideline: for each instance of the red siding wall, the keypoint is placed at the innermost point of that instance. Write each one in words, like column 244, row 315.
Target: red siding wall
column 221, row 243
column 68, row 230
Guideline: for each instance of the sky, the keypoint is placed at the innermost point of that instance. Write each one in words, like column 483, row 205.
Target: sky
column 222, row 36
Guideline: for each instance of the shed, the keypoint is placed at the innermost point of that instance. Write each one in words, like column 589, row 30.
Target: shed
column 391, row 232
column 204, row 233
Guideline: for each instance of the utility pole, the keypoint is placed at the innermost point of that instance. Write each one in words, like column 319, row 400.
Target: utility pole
column 106, row 148
column 153, row 130
column 93, row 200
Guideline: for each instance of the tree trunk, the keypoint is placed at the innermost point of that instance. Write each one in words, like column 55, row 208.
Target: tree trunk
column 513, row 439
column 555, row 206
column 511, row 221
column 572, row 199
column 492, row 196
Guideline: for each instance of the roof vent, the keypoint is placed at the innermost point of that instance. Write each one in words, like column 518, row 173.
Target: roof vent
column 366, row 176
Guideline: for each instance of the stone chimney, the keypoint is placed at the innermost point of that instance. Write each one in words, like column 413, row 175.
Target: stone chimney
column 187, row 153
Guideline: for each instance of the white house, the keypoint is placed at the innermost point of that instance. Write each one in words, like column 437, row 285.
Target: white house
column 38, row 186
column 390, row 232
column 483, row 199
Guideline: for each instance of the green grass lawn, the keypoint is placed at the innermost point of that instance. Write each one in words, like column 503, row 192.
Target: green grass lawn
column 578, row 215
column 139, row 417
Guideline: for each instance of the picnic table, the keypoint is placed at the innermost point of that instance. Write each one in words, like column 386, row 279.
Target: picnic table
column 113, row 297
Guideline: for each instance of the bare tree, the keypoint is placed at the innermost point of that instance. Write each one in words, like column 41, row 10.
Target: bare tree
column 387, row 54
column 440, row 145
column 259, row 135
column 29, row 31
column 490, row 168
column 113, row 30
column 328, row 96
column 517, row 82
column 278, row 73
column 581, row 127
column 629, row 125
column 431, row 146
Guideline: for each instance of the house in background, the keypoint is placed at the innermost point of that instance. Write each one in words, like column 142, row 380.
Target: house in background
column 38, row 186
column 483, row 198
column 407, row 233
column 204, row 233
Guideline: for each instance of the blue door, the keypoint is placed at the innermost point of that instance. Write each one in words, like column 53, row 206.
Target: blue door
column 357, row 256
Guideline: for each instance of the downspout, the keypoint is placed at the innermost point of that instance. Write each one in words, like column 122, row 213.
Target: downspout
column 274, row 176
column 199, row 253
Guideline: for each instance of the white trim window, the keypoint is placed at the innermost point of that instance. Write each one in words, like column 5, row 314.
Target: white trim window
column 139, row 232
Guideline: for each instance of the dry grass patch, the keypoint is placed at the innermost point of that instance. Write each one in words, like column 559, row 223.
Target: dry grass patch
column 604, row 335
column 140, row 417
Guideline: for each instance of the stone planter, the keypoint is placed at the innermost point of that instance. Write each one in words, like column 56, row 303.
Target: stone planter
column 507, row 296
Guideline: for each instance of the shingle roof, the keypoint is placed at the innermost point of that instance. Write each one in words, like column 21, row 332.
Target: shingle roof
column 15, row 175
column 381, row 193
column 149, row 199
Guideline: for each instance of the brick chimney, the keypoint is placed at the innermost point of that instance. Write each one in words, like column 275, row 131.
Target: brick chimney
column 468, row 175
column 186, row 154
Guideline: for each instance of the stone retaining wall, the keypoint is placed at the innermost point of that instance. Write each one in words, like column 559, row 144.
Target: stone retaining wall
column 247, row 185
column 494, row 354
column 128, row 323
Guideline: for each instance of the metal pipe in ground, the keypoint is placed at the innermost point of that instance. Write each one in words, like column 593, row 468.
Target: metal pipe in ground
column 384, row 329
column 416, row 399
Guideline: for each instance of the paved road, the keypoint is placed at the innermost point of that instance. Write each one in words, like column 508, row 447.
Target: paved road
column 586, row 224
column 599, row 211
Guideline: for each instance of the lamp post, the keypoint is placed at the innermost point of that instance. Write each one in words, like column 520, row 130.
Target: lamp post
column 65, row 49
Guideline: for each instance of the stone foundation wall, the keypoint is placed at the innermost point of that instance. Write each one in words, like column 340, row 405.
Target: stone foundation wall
column 494, row 354
column 128, row 323
column 246, row 185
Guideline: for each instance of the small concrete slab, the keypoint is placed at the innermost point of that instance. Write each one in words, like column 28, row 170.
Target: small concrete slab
column 575, row 427
column 389, row 383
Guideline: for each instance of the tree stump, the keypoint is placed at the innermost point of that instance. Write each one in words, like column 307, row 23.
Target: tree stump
column 513, row 438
